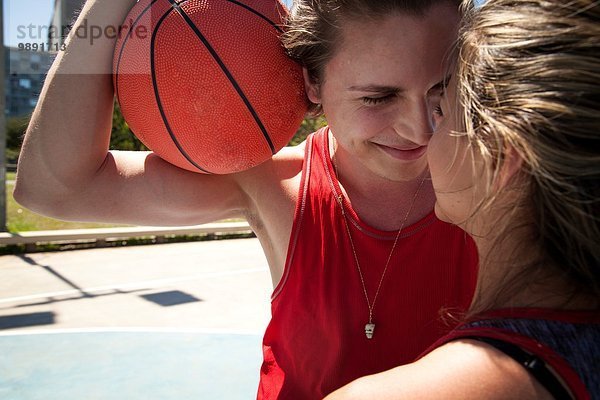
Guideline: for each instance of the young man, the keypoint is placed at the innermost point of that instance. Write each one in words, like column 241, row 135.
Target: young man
column 360, row 264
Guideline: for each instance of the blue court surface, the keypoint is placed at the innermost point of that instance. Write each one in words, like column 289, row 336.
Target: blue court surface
column 131, row 364
column 171, row 321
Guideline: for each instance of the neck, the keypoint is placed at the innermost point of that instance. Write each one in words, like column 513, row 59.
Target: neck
column 511, row 274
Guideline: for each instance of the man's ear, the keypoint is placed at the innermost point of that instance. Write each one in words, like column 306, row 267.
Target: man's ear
column 313, row 88
column 511, row 165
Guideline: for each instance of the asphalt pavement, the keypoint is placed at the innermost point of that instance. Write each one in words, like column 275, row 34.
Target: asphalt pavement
column 177, row 321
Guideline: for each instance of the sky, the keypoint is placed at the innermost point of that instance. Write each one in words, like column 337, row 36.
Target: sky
column 21, row 13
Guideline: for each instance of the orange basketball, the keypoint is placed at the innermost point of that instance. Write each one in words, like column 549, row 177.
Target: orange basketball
column 206, row 84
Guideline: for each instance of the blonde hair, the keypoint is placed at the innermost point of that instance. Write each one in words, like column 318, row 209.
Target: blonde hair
column 529, row 80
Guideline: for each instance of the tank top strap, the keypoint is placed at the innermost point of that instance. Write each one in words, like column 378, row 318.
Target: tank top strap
column 312, row 159
column 565, row 341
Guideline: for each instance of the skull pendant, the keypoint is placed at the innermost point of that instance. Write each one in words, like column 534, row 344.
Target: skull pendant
column 369, row 329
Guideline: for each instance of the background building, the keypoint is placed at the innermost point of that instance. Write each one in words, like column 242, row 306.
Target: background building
column 25, row 72
column 63, row 16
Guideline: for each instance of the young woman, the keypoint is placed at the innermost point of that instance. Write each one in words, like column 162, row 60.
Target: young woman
column 518, row 167
column 360, row 264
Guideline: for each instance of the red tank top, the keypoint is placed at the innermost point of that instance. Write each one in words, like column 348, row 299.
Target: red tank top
column 315, row 342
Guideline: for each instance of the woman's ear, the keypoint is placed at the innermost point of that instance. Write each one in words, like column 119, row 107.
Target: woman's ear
column 313, row 88
column 511, row 165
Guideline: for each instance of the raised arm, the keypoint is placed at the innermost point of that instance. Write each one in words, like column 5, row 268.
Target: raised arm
column 65, row 169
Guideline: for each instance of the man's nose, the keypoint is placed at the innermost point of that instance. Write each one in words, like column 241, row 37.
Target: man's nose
column 417, row 123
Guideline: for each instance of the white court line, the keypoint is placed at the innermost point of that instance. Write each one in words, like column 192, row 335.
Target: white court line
column 132, row 285
column 134, row 330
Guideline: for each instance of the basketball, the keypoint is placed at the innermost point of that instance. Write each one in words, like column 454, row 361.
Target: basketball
column 206, row 84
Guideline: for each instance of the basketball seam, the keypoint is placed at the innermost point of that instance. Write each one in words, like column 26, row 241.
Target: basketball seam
column 227, row 73
column 157, row 95
column 215, row 56
column 123, row 48
column 252, row 10
column 163, row 116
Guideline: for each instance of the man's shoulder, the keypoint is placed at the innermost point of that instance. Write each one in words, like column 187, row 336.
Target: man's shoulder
column 277, row 173
column 291, row 153
column 286, row 163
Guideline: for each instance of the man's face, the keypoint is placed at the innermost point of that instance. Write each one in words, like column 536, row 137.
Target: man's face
column 381, row 89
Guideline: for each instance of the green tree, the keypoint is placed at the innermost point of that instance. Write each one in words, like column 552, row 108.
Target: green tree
column 15, row 130
column 121, row 137
column 308, row 126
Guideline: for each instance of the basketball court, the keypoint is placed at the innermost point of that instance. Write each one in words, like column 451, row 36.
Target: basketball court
column 148, row 322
